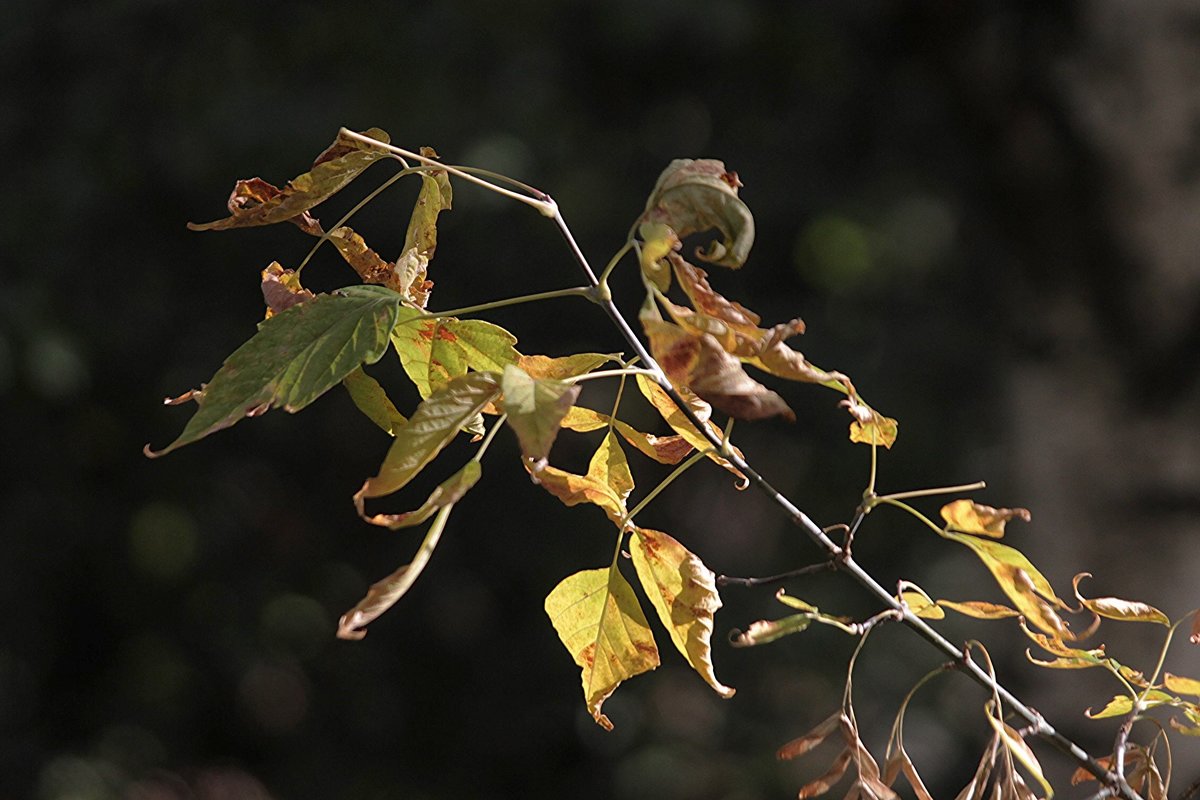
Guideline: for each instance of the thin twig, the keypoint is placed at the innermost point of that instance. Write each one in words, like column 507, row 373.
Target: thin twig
column 824, row 566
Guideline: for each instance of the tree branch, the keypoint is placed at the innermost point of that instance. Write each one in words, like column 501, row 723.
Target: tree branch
column 836, row 554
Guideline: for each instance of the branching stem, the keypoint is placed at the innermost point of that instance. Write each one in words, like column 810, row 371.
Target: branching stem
column 844, row 562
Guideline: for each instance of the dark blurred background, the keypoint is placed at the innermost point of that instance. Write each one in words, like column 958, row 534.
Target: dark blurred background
column 987, row 213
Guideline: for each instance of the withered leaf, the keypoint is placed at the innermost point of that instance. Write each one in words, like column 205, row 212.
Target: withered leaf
column 447, row 493
column 801, row 745
column 256, row 202
column 436, row 196
column 657, row 240
column 693, row 196
column 697, row 362
column 968, row 516
column 295, row 357
column 385, row 593
column 599, row 621
column 1021, row 751
column 1121, row 610
column 1181, row 685
column 684, row 593
column 281, row 289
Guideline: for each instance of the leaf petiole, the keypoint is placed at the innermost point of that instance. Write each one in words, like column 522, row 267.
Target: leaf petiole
column 487, row 440
column 577, row 291
column 663, row 484
column 891, row 501
column 965, row 487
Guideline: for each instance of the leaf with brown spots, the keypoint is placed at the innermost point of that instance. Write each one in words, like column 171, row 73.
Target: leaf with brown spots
column 564, row 367
column 698, row 362
column 256, row 202
column 599, row 620
column 684, row 593
column 434, row 351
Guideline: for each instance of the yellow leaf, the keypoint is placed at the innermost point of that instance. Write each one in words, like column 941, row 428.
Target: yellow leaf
column 1028, row 589
column 1182, row 685
column 918, row 602
column 1122, row 704
column 968, row 516
column 980, row 609
column 1121, row 610
column 663, row 449
column 657, row 240
column 598, row 619
column 372, row 400
column 607, row 483
column 563, row 367
column 448, row 492
column 680, row 424
column 880, row 430
column 684, row 593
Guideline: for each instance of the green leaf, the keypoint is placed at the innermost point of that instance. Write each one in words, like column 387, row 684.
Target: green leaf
column 684, row 593
column 535, row 409
column 433, row 425
column 447, row 493
column 295, row 357
column 1122, row 704
column 607, row 484
column 598, row 619
column 372, row 400
column 693, row 196
column 434, row 351
column 256, row 202
column 1028, row 589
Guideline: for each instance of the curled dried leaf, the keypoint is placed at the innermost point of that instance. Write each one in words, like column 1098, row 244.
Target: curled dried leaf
column 967, row 516
column 674, row 417
column 256, row 202
column 281, row 289
column 693, row 196
column 980, row 609
column 447, row 493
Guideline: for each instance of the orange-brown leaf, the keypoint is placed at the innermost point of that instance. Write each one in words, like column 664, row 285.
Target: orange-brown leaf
column 281, row 289
column 674, row 417
column 801, row 745
column 698, row 362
